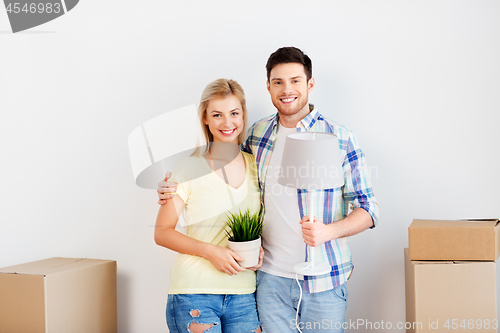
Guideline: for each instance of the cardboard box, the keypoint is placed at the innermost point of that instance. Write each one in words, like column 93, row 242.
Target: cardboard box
column 454, row 240
column 59, row 295
column 450, row 296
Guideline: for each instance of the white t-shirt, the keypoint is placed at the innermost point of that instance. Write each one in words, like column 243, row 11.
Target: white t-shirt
column 282, row 234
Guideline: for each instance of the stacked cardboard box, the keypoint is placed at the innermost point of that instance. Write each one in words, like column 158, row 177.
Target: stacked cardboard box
column 450, row 276
column 59, row 295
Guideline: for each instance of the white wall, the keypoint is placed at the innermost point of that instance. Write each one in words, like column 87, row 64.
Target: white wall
column 418, row 82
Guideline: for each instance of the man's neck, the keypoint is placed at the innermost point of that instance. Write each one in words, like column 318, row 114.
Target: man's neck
column 291, row 121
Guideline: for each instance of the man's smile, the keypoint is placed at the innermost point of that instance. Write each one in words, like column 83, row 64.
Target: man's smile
column 288, row 100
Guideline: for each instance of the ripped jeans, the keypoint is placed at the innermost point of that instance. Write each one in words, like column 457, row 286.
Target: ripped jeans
column 212, row 313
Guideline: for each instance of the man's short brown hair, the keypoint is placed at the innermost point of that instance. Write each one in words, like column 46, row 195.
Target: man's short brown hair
column 287, row 55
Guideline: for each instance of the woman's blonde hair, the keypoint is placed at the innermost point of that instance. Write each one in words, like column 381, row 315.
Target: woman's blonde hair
column 220, row 88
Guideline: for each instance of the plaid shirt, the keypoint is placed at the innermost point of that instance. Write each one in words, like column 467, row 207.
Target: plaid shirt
column 331, row 204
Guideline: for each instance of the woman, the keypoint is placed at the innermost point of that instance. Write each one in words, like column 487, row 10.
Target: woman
column 208, row 288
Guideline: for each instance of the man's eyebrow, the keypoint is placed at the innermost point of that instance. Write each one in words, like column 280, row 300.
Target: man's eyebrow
column 292, row 78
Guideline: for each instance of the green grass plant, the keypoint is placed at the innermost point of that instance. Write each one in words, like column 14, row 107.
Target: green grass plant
column 244, row 226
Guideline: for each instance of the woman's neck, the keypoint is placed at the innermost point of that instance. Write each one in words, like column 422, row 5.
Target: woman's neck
column 224, row 151
column 221, row 154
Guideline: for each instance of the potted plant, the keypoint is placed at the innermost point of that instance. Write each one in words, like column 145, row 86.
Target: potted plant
column 243, row 235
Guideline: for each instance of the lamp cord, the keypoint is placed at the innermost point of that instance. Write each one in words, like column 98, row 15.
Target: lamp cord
column 300, row 298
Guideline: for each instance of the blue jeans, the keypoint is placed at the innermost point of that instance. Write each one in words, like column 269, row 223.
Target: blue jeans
column 219, row 313
column 277, row 300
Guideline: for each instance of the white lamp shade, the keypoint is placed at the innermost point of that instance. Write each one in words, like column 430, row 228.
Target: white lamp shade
column 311, row 161
column 159, row 143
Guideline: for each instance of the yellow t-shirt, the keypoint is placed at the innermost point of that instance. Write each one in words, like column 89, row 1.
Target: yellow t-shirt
column 207, row 200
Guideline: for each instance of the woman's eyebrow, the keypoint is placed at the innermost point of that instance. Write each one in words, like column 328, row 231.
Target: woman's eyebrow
column 216, row 111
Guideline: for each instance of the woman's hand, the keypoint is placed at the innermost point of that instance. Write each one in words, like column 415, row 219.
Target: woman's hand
column 259, row 265
column 224, row 259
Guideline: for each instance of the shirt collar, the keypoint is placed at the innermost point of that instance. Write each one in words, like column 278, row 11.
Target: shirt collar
column 308, row 121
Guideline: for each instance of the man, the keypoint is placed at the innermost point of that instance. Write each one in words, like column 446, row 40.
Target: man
column 287, row 227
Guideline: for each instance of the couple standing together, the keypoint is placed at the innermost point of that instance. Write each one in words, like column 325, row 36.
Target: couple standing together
column 209, row 291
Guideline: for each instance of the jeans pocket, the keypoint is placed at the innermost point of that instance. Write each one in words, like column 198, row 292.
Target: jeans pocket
column 341, row 292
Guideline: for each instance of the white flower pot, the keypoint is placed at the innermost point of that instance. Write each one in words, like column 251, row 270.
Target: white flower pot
column 248, row 251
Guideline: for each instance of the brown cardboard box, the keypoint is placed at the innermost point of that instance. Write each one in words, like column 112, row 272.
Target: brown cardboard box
column 450, row 296
column 454, row 240
column 59, row 295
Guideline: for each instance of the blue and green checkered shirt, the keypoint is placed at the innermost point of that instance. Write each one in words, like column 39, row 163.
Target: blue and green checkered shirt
column 331, row 204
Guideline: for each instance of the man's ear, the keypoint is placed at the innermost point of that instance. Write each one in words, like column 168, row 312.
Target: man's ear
column 268, row 86
column 310, row 84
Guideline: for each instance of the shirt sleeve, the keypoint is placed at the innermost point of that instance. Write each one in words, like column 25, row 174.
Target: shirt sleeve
column 358, row 190
column 245, row 146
